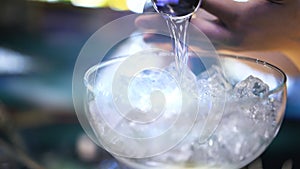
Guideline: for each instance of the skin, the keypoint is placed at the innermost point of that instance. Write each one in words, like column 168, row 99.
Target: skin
column 256, row 25
column 252, row 25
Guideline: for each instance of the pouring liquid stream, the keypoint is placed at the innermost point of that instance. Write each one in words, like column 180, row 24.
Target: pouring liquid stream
column 177, row 15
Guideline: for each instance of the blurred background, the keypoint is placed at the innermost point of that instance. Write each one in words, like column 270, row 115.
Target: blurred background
column 39, row 44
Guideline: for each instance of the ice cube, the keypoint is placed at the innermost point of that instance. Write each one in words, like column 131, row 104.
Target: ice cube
column 213, row 82
column 243, row 129
column 177, row 155
column 263, row 113
column 251, row 87
column 186, row 77
column 245, row 124
column 236, row 134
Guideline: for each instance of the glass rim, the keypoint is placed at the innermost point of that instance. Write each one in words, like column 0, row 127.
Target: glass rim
column 265, row 64
column 110, row 61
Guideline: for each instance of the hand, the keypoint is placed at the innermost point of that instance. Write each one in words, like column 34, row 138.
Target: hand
column 252, row 25
column 256, row 25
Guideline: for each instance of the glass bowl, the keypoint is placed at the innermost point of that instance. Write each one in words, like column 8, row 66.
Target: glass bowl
column 240, row 106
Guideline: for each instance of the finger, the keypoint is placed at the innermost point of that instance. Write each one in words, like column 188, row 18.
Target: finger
column 214, row 30
column 205, row 15
column 225, row 10
column 151, row 21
